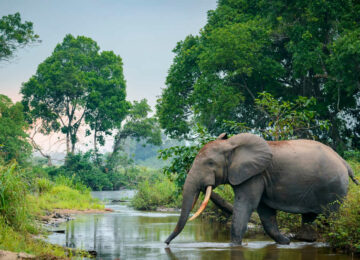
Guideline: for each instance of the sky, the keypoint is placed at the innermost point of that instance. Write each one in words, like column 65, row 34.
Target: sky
column 142, row 32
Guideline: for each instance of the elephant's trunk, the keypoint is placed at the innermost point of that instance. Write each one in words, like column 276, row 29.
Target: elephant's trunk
column 190, row 193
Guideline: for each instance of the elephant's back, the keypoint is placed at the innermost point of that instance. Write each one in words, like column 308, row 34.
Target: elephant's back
column 305, row 175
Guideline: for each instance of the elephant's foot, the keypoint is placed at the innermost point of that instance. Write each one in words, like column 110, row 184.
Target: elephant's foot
column 282, row 240
column 235, row 243
column 307, row 233
column 236, row 239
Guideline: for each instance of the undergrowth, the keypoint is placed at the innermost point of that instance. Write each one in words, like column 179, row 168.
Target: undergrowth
column 24, row 197
column 155, row 193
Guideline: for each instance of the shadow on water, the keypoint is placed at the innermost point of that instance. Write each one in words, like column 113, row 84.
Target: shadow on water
column 130, row 234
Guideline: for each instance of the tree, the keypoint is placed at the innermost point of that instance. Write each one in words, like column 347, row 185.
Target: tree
column 288, row 49
column 138, row 126
column 76, row 84
column 13, row 143
column 287, row 120
column 106, row 107
column 14, row 35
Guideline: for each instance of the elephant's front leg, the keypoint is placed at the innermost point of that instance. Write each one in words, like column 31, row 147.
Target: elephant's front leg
column 247, row 198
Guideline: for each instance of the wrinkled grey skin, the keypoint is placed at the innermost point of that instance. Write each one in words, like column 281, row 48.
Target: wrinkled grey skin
column 297, row 176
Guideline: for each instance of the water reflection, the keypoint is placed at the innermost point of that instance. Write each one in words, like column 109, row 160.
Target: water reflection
column 130, row 234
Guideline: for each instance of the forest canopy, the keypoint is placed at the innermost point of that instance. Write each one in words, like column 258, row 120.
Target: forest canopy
column 285, row 48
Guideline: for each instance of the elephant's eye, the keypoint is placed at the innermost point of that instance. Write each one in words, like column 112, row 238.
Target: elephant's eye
column 211, row 163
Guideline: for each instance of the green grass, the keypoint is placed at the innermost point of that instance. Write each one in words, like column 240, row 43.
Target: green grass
column 14, row 208
column 64, row 197
column 15, row 241
column 24, row 198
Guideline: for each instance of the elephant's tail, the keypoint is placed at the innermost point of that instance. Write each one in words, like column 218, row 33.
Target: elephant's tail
column 351, row 173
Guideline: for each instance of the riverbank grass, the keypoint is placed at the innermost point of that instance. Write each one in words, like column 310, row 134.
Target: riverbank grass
column 16, row 241
column 24, row 199
column 64, row 197
column 156, row 193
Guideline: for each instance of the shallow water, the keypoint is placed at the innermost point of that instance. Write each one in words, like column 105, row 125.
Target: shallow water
column 130, row 234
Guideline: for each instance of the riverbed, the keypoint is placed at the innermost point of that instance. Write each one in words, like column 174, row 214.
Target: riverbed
column 130, row 234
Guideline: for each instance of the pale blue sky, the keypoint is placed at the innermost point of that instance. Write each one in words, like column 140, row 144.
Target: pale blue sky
column 142, row 32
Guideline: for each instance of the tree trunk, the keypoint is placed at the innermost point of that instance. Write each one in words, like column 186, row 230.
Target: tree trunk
column 221, row 203
column 67, row 142
column 95, row 142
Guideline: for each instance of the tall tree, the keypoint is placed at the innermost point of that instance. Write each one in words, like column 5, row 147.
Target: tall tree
column 106, row 107
column 13, row 143
column 66, row 87
column 286, row 48
column 139, row 126
column 15, row 34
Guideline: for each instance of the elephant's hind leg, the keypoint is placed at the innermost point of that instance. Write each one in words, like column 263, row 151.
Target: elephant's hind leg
column 268, row 219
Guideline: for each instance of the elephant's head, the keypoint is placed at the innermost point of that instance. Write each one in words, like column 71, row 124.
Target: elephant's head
column 222, row 161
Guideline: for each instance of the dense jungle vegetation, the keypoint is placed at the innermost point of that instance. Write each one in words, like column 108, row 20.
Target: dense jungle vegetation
column 282, row 70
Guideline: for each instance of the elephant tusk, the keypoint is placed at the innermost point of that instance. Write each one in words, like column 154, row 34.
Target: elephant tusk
column 203, row 205
column 195, row 200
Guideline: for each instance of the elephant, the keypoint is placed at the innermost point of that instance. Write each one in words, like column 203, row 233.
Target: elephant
column 295, row 176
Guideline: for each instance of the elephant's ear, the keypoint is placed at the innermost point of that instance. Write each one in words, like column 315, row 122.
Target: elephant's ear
column 250, row 155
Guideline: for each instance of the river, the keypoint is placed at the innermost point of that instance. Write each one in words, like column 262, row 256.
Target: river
column 130, row 234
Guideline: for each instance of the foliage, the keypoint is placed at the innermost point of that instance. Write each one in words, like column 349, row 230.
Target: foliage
column 77, row 82
column 64, row 197
column 352, row 155
column 43, row 185
column 138, row 126
column 19, row 208
column 248, row 47
column 82, row 169
column 15, row 241
column 106, row 106
column 13, row 144
column 182, row 157
column 130, row 177
column 14, row 210
column 83, row 172
column 342, row 228
column 286, row 119
column 160, row 192
column 15, row 34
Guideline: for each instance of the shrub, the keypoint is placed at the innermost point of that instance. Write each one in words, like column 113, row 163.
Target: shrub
column 71, row 182
column 161, row 193
column 353, row 155
column 64, row 197
column 43, row 185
